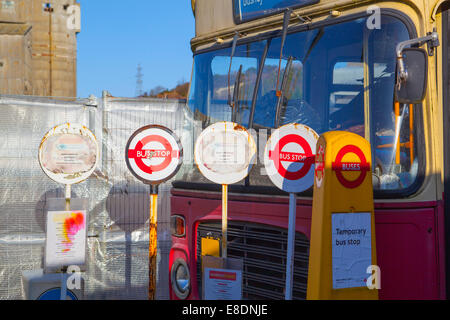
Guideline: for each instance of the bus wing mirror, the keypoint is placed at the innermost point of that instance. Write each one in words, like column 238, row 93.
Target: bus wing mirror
column 412, row 76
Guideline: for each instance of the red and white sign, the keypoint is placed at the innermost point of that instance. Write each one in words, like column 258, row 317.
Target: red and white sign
column 289, row 157
column 225, row 152
column 362, row 166
column 153, row 154
column 222, row 284
column 320, row 166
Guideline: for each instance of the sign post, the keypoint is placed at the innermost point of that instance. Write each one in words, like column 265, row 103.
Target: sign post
column 224, row 219
column 342, row 246
column 68, row 154
column 289, row 162
column 153, row 241
column 224, row 154
column 153, row 154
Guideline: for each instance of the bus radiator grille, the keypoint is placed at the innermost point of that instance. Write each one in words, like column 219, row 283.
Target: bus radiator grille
column 263, row 249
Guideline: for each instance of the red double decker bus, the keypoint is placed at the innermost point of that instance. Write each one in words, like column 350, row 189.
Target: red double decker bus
column 337, row 62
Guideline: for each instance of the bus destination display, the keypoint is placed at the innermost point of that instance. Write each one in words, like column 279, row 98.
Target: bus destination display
column 245, row 10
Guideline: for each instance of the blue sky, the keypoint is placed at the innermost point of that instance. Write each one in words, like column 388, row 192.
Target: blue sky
column 118, row 35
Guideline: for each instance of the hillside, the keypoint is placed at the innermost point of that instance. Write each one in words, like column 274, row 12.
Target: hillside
column 179, row 92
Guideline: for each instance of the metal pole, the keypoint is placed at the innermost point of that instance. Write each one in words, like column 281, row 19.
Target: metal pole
column 68, row 193
column 224, row 219
column 152, row 242
column 63, row 287
column 49, row 9
column 291, row 246
column 63, row 292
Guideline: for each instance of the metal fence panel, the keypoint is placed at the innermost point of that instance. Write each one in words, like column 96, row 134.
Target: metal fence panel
column 117, row 254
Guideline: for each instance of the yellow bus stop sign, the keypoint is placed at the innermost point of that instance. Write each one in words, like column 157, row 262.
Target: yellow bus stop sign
column 342, row 246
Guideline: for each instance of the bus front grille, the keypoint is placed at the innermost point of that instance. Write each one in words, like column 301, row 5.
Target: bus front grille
column 263, row 250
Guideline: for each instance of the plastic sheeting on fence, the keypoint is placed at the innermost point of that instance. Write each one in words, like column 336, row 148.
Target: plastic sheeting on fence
column 117, row 246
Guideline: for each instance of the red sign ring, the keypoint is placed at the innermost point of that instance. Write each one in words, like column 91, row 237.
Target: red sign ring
column 132, row 154
column 338, row 166
column 307, row 162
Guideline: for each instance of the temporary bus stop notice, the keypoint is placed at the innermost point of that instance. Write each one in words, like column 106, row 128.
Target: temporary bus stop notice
column 351, row 249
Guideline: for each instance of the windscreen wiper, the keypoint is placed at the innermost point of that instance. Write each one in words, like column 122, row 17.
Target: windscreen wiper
column 257, row 83
column 280, row 102
column 236, row 91
column 233, row 49
column 287, row 16
column 316, row 39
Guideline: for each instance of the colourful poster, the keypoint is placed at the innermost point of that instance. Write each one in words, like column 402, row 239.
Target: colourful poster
column 66, row 238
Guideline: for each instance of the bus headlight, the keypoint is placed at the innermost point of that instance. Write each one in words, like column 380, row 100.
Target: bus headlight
column 180, row 278
column 178, row 226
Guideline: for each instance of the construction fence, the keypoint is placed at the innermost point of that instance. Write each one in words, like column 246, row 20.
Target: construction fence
column 117, row 243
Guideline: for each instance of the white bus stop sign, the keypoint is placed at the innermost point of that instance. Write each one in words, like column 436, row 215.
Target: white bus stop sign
column 224, row 153
column 69, row 153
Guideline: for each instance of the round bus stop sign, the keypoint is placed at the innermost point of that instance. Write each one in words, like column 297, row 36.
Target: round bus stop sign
column 361, row 166
column 289, row 157
column 153, row 154
column 224, row 152
column 69, row 153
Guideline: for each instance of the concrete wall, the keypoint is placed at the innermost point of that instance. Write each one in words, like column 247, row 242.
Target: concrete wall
column 15, row 59
column 53, row 48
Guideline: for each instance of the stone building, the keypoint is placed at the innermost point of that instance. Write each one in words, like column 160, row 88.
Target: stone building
column 38, row 47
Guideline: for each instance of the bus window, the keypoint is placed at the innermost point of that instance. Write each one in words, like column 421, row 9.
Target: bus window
column 293, row 111
column 346, row 109
column 209, row 88
column 396, row 161
column 342, row 77
column 296, row 109
column 208, row 95
column 219, row 67
column 267, row 102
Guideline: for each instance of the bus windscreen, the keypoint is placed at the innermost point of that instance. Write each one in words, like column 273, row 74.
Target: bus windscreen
column 245, row 10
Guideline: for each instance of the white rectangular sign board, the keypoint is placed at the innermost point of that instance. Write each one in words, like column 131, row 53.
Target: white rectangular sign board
column 222, row 284
column 351, row 249
column 66, row 238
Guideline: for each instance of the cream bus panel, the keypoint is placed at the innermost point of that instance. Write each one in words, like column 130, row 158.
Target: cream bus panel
column 213, row 15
